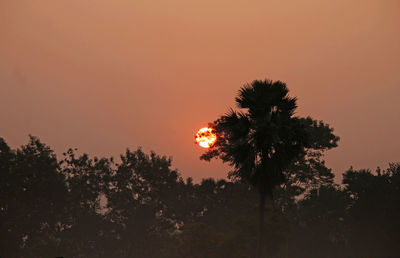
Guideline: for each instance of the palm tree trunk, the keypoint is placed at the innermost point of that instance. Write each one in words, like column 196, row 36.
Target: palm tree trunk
column 261, row 225
column 263, row 195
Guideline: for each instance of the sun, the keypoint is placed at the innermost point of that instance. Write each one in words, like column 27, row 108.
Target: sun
column 205, row 137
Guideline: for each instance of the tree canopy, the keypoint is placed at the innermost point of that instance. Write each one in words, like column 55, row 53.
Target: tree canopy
column 263, row 138
column 137, row 206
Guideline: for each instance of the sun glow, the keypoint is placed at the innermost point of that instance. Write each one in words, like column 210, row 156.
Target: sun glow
column 205, row 137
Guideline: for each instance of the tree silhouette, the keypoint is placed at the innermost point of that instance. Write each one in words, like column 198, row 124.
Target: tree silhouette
column 308, row 171
column 143, row 195
column 140, row 207
column 32, row 201
column 87, row 233
column 375, row 211
column 262, row 141
column 320, row 224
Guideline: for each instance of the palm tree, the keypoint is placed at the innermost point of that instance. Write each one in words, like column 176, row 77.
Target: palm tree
column 261, row 140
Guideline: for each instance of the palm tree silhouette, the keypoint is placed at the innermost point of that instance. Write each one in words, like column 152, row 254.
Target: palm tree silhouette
column 260, row 141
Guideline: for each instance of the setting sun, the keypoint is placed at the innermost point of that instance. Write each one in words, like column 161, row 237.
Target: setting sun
column 205, row 137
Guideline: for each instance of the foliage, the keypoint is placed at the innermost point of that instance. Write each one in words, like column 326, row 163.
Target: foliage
column 140, row 207
column 260, row 142
column 29, row 214
column 264, row 142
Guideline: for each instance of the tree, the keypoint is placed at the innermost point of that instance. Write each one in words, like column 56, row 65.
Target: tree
column 86, row 232
column 375, row 211
column 226, row 224
column 261, row 142
column 319, row 227
column 32, row 200
column 142, row 197
column 308, row 171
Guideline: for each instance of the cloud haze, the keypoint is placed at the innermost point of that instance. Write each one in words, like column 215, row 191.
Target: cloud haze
column 105, row 75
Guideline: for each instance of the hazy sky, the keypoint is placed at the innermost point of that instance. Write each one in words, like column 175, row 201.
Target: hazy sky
column 102, row 76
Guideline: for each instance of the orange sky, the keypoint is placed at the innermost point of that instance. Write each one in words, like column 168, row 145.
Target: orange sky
column 105, row 75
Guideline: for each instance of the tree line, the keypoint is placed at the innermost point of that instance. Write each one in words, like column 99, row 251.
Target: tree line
column 138, row 206
column 280, row 199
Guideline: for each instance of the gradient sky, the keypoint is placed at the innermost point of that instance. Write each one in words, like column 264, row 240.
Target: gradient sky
column 102, row 76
